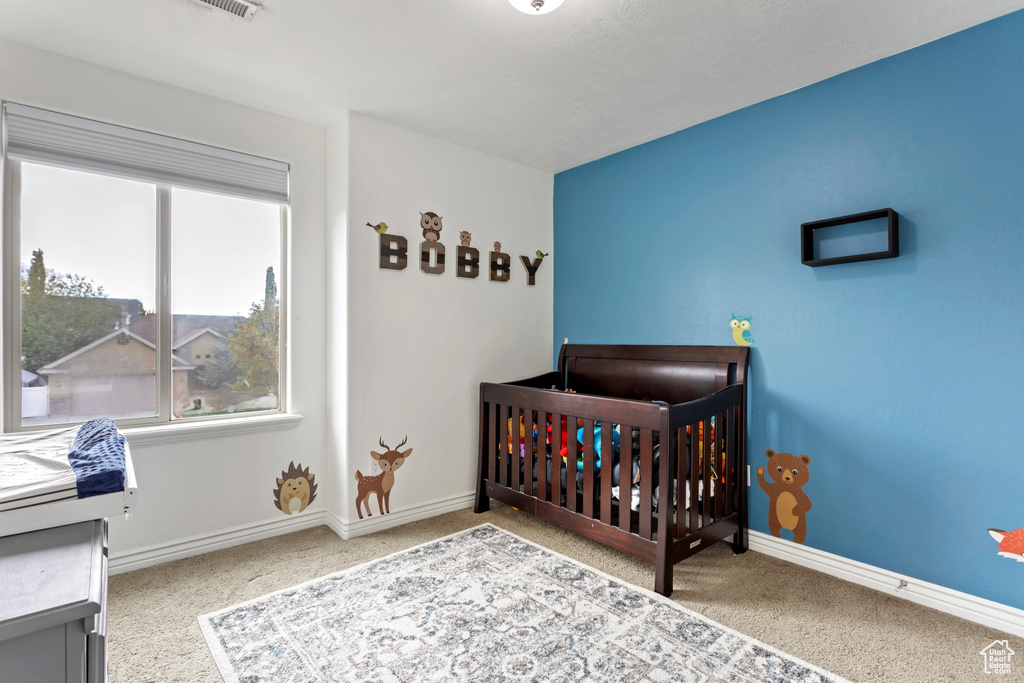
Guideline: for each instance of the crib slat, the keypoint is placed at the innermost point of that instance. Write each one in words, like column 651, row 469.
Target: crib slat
column 516, row 458
column 572, row 454
column 492, row 439
column 646, row 483
column 720, row 466
column 694, row 477
column 735, row 476
column 556, row 459
column 681, row 482
column 542, row 454
column 706, row 473
column 588, row 469
column 503, row 445
column 527, row 470
column 625, row 476
column 607, row 451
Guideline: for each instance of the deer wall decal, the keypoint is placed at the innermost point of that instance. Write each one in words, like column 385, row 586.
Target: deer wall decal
column 381, row 484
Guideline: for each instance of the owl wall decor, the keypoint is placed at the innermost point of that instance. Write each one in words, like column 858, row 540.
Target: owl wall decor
column 465, row 238
column 431, row 224
column 741, row 330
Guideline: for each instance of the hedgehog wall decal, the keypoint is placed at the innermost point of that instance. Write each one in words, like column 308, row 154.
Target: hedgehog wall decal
column 294, row 483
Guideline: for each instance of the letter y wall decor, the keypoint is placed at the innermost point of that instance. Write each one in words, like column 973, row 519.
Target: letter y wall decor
column 394, row 253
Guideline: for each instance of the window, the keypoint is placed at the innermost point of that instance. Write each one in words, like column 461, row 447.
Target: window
column 150, row 274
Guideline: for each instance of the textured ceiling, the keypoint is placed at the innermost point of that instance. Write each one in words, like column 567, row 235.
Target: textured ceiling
column 551, row 92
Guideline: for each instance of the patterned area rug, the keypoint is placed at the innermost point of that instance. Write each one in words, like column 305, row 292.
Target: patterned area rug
column 482, row 605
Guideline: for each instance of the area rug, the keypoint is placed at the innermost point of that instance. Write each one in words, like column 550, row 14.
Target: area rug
column 482, row 605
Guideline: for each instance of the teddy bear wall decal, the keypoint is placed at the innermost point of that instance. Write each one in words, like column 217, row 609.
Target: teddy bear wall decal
column 787, row 503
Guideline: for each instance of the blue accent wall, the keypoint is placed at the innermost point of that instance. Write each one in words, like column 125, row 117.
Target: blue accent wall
column 901, row 378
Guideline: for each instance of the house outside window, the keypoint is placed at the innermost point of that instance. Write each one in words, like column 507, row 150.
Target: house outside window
column 151, row 274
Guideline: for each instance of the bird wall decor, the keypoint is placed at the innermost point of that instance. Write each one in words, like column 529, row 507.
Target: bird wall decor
column 741, row 330
column 380, row 228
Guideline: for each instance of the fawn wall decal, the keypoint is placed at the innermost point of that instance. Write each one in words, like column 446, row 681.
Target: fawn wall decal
column 381, row 484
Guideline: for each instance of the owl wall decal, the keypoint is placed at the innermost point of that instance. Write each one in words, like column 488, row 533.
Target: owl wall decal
column 497, row 246
column 741, row 330
column 431, row 224
column 465, row 238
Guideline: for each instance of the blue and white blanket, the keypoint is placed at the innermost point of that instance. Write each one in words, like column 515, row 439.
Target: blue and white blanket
column 97, row 456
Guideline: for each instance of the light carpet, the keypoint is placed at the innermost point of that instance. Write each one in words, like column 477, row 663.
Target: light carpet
column 482, row 604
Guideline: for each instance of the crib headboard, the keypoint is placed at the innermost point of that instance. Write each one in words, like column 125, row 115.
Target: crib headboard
column 674, row 374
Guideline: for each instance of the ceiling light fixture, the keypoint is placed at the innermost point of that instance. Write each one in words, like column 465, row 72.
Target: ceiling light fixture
column 536, row 6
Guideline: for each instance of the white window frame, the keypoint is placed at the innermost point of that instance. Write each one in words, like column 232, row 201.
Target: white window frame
column 10, row 200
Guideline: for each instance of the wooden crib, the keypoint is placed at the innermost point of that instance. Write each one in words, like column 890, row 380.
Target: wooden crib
column 682, row 407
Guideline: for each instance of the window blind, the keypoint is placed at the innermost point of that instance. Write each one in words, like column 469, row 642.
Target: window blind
column 42, row 136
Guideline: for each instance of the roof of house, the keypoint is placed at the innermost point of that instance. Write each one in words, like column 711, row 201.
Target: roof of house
column 185, row 326
column 51, row 368
column 181, row 341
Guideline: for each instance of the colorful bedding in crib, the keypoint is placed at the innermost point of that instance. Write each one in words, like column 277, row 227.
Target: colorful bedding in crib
column 45, row 467
column 616, row 437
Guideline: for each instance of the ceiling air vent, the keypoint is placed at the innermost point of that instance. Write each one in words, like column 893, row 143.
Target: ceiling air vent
column 240, row 8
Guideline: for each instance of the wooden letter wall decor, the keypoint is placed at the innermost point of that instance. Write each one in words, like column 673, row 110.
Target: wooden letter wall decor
column 438, row 250
column 394, row 253
column 397, row 246
column 532, row 266
column 500, row 264
column 469, row 262
column 467, row 257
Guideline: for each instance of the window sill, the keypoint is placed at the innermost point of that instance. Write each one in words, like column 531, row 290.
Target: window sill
column 209, row 429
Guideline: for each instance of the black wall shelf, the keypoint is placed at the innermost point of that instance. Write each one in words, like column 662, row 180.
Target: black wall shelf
column 807, row 238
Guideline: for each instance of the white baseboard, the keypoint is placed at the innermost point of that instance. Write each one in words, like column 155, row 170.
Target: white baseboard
column 963, row 605
column 350, row 528
column 205, row 543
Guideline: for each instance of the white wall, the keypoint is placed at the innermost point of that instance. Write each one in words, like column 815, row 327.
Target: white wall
column 196, row 488
column 374, row 353
column 337, row 313
column 418, row 344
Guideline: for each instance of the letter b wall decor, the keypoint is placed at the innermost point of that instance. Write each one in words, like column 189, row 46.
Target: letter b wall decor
column 394, row 247
column 468, row 260
column 501, row 268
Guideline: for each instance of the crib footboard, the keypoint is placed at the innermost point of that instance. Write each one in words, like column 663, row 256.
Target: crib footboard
column 659, row 482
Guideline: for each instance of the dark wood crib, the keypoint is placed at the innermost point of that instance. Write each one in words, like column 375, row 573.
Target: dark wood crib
column 680, row 418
